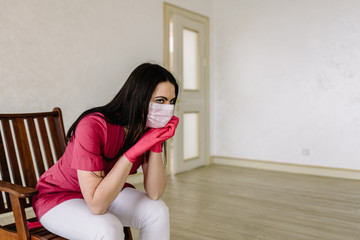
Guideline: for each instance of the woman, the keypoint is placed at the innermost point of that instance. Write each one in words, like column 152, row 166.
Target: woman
column 84, row 195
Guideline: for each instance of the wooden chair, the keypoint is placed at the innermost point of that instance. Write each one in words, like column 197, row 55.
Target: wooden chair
column 29, row 144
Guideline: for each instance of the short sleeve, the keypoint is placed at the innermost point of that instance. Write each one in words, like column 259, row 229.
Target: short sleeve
column 90, row 138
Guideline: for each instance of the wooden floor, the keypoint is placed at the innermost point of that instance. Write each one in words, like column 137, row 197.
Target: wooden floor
column 223, row 202
column 233, row 203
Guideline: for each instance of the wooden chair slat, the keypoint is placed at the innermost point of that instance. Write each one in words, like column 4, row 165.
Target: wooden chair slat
column 5, row 175
column 7, row 208
column 36, row 146
column 54, row 134
column 2, row 204
column 24, row 153
column 4, row 168
column 60, row 129
column 45, row 141
column 10, row 147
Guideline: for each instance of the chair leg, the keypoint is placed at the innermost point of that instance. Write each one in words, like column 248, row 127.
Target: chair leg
column 128, row 235
column 18, row 208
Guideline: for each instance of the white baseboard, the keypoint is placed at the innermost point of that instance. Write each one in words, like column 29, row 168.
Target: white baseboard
column 286, row 167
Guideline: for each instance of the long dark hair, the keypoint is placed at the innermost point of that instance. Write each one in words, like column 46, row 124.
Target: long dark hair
column 129, row 108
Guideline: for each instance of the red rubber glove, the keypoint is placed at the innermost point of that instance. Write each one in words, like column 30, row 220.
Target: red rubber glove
column 157, row 147
column 145, row 143
column 171, row 127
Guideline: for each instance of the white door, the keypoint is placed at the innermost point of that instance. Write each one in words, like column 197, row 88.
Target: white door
column 187, row 57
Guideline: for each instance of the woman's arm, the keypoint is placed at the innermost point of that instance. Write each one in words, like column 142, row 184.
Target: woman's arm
column 153, row 168
column 154, row 175
column 99, row 192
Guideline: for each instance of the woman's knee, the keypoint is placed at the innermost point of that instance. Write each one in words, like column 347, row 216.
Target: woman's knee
column 158, row 211
column 163, row 209
column 109, row 227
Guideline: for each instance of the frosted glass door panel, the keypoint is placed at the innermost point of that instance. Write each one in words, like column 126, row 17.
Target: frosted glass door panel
column 191, row 60
column 191, row 136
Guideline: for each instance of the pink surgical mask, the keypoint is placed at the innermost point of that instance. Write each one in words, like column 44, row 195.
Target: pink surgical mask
column 159, row 115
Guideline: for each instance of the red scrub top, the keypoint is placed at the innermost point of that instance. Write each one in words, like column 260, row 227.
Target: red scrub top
column 94, row 138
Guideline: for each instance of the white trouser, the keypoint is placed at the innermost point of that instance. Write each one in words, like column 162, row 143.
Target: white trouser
column 73, row 219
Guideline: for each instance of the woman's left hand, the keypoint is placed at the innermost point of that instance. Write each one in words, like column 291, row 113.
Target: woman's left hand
column 171, row 128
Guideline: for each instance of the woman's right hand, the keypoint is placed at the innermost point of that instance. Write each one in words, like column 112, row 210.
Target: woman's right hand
column 152, row 137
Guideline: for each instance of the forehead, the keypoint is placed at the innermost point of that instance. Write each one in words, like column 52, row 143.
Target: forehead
column 166, row 89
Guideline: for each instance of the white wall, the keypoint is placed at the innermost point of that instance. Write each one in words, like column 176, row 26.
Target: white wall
column 284, row 74
column 76, row 54
column 286, row 77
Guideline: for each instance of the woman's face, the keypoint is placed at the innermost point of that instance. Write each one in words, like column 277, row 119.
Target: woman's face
column 164, row 93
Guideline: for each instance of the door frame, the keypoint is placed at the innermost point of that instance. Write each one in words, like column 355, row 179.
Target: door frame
column 169, row 11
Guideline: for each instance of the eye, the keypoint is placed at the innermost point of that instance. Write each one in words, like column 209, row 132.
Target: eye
column 173, row 101
column 160, row 101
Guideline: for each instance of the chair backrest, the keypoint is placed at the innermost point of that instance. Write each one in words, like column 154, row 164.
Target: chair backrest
column 30, row 143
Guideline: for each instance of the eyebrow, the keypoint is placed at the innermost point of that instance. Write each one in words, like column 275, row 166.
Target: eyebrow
column 165, row 98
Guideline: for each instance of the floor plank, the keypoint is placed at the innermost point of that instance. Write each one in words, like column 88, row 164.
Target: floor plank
column 223, row 202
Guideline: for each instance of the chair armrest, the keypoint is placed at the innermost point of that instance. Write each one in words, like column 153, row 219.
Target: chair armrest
column 17, row 190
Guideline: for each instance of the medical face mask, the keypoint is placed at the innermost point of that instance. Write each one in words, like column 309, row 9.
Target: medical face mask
column 159, row 115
